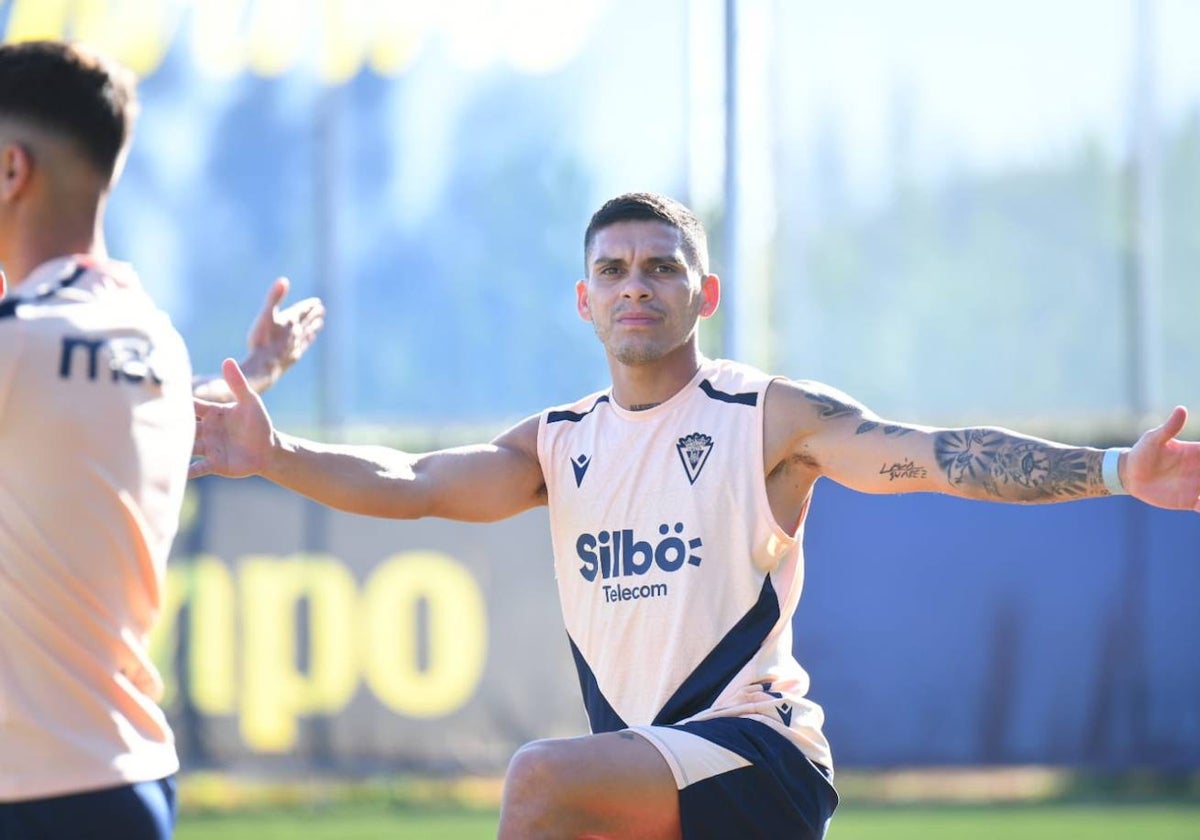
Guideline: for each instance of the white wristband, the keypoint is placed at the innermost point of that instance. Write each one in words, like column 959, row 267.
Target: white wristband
column 1109, row 472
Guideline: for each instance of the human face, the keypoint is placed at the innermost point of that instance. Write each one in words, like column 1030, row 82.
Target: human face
column 642, row 297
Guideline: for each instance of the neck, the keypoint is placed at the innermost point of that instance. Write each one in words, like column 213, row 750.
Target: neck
column 642, row 386
column 41, row 241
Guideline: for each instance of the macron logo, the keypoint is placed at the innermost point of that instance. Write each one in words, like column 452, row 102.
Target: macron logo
column 785, row 713
column 580, row 465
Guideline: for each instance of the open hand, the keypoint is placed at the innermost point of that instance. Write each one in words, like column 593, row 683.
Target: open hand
column 279, row 337
column 233, row 439
column 1162, row 470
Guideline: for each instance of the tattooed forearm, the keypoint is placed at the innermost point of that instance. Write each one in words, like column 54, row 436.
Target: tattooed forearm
column 1018, row 469
column 905, row 470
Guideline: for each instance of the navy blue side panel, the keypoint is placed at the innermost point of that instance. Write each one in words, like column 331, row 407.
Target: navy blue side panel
column 574, row 416
column 702, row 686
column 747, row 398
column 8, row 307
column 782, row 794
column 600, row 714
column 141, row 811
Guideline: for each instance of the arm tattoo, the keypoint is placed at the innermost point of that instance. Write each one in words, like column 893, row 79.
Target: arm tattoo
column 1016, row 469
column 831, row 408
column 905, row 470
column 870, row 425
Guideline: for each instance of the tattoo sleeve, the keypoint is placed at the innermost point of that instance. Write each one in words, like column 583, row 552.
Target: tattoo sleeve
column 831, row 407
column 1008, row 467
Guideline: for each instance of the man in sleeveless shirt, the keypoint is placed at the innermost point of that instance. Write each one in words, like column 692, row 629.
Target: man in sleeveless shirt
column 96, row 429
column 677, row 499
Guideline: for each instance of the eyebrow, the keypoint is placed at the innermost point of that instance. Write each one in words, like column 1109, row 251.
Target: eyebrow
column 655, row 258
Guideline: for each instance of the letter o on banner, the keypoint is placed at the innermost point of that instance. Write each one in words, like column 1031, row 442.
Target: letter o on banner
column 455, row 634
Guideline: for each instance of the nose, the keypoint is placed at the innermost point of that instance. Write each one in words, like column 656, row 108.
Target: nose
column 636, row 287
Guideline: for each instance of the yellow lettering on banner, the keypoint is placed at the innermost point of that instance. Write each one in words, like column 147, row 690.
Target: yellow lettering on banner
column 456, row 634
column 274, row 691
column 204, row 586
column 164, row 639
column 212, row 635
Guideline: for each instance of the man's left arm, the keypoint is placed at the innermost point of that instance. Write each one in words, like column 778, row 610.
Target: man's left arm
column 842, row 440
column 276, row 341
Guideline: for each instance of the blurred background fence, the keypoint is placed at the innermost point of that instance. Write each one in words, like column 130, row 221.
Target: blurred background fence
column 959, row 213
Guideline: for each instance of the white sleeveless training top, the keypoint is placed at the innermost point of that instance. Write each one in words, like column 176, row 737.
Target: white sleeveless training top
column 96, row 424
column 677, row 585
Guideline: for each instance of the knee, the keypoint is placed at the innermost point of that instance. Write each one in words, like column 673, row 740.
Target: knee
column 532, row 773
column 533, row 804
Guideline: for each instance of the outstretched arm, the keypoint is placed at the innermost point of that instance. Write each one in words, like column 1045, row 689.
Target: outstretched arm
column 841, row 439
column 472, row 483
column 276, row 341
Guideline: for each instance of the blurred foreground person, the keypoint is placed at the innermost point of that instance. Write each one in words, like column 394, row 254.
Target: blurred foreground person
column 677, row 499
column 96, row 427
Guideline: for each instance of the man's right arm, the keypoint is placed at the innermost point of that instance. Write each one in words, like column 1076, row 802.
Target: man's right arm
column 479, row 483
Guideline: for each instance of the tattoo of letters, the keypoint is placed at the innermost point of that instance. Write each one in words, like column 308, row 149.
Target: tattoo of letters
column 906, row 470
column 1008, row 467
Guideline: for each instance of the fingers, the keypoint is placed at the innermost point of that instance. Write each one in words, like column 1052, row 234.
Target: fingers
column 1172, row 427
column 202, row 408
column 236, row 380
column 277, row 292
column 303, row 310
column 199, row 468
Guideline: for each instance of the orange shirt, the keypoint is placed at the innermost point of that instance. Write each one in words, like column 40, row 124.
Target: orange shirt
column 96, row 426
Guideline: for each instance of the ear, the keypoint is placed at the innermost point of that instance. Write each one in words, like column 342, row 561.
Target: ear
column 16, row 168
column 581, row 300
column 710, row 287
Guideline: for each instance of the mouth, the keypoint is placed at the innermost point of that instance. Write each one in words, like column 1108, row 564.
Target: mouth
column 638, row 319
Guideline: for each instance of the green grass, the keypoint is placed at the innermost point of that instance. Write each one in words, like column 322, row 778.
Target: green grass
column 1170, row 821
column 1028, row 822
column 367, row 822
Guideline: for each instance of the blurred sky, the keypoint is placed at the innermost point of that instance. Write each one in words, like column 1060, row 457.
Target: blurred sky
column 330, row 138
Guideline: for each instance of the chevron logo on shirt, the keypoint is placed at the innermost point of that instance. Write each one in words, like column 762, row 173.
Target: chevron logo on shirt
column 580, row 464
column 693, row 451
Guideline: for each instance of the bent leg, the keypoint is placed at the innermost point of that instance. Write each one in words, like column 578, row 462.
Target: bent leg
column 613, row 785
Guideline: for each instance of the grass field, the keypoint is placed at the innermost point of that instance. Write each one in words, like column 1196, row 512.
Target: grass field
column 1169, row 821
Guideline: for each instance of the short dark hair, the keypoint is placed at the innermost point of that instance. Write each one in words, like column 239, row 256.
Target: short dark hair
column 652, row 207
column 68, row 89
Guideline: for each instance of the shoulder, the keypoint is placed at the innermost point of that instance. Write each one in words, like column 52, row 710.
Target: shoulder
column 807, row 399
column 797, row 411
column 574, row 411
column 522, row 435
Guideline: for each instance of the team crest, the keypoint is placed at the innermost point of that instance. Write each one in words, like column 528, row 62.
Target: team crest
column 693, row 451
